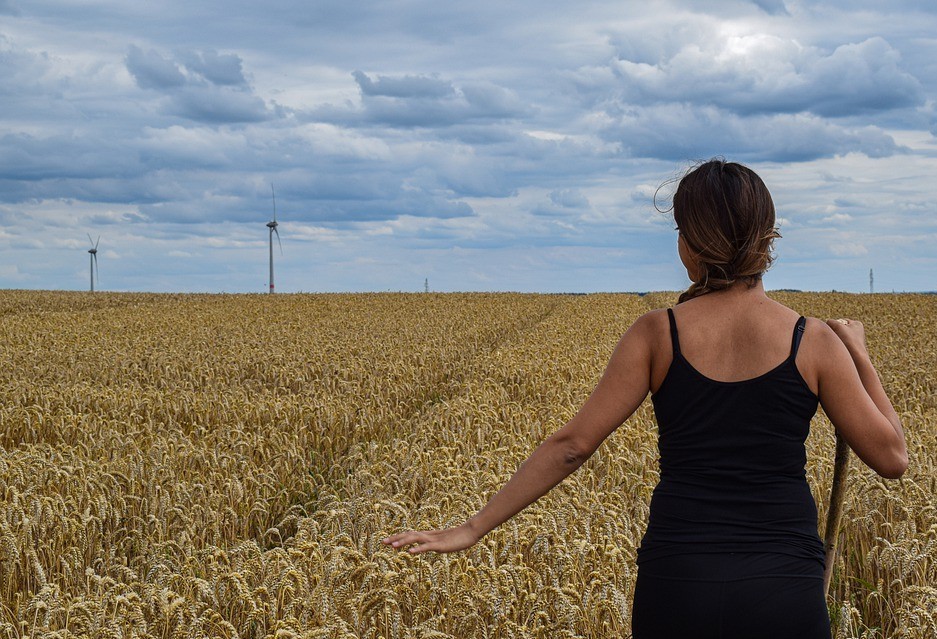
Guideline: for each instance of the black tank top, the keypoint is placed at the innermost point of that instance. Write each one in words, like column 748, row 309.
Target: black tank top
column 732, row 462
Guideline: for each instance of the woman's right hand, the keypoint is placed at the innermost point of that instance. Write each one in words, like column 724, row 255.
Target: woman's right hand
column 851, row 332
column 444, row 540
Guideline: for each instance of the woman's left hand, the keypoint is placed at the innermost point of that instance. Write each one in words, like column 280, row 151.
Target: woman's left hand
column 444, row 540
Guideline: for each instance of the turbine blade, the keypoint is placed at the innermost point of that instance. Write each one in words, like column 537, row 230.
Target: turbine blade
column 97, row 273
column 278, row 239
column 274, row 203
column 96, row 243
column 90, row 240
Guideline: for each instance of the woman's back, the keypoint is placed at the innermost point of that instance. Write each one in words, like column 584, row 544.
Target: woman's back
column 730, row 336
column 732, row 438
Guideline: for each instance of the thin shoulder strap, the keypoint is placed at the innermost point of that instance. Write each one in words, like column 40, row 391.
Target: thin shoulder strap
column 673, row 332
column 798, row 333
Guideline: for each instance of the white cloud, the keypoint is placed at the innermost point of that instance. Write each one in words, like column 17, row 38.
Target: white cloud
column 837, row 218
column 12, row 273
column 547, row 135
column 848, row 249
column 569, row 198
column 762, row 73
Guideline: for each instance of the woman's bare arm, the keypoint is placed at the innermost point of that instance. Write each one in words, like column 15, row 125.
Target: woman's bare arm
column 623, row 387
column 855, row 401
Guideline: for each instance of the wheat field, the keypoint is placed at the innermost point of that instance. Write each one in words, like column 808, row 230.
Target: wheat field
column 225, row 466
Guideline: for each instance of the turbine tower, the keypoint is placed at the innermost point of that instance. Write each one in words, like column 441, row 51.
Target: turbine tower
column 272, row 225
column 94, row 258
column 871, row 282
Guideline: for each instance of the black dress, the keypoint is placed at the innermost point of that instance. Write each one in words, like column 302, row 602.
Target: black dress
column 731, row 548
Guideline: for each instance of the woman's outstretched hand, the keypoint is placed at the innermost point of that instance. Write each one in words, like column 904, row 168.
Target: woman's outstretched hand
column 444, row 540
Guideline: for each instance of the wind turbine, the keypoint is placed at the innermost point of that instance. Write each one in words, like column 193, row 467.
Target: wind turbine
column 272, row 225
column 94, row 258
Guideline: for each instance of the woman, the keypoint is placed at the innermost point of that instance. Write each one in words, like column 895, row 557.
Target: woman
column 731, row 548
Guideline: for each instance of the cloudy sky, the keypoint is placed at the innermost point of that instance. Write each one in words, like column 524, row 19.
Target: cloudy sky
column 479, row 145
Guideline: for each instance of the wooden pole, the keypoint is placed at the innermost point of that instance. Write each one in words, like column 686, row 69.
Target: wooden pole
column 837, row 493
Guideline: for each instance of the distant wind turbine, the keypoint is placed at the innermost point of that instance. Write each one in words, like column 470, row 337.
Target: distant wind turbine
column 272, row 225
column 94, row 258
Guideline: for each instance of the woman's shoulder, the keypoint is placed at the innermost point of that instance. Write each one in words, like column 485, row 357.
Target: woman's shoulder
column 820, row 350
column 651, row 322
column 820, row 338
column 820, row 331
column 652, row 329
column 648, row 330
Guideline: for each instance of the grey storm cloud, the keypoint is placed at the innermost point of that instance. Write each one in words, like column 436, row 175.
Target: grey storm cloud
column 153, row 71
column 223, row 69
column 339, row 209
column 408, row 86
column 774, row 7
column 32, row 158
column 562, row 204
column 202, row 85
column 680, row 132
column 220, row 106
column 411, row 101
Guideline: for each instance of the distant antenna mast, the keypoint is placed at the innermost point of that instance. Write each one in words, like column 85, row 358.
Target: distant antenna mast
column 272, row 225
column 426, row 285
column 871, row 282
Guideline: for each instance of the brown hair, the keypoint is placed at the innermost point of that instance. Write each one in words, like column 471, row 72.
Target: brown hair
column 726, row 216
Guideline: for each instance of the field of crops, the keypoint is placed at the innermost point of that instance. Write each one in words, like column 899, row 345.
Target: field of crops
column 225, row 466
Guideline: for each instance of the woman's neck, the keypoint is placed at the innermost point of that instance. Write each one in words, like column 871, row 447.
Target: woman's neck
column 742, row 290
